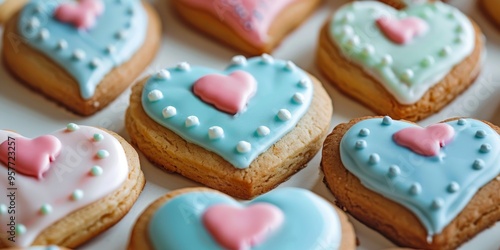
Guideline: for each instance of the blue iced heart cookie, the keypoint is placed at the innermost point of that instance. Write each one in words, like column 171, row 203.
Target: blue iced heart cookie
column 86, row 54
column 443, row 39
column 309, row 221
column 283, row 95
column 435, row 188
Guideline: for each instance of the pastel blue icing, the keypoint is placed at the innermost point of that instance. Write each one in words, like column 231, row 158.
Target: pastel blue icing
column 447, row 27
column 275, row 88
column 118, row 15
column 434, row 174
column 310, row 222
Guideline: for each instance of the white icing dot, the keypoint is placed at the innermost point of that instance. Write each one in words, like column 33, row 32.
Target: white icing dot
column 243, row 147
column 46, row 209
column 461, row 122
column 263, row 131
column 304, row 82
column 44, row 34
column 348, row 17
column 239, row 60
column 386, row 60
column 407, row 75
column 459, row 39
column 95, row 63
column 459, row 29
column 169, row 111
column 184, row 66
column 386, row 120
column 215, row 133
column 266, row 58
column 298, row 98
column 394, row 171
column 437, row 203
column 79, row 54
column 352, row 42
column 3, row 209
column 72, row 127
column 163, row 74
column 20, row 229
column 62, row 44
column 155, row 95
column 480, row 133
column 445, row 51
column 102, row 154
column 415, row 188
column 453, row 187
column 77, row 195
column 364, row 132
column 368, row 50
column 478, row 164
column 361, row 144
column 284, row 115
column 96, row 171
column 192, row 121
column 38, row 8
column 110, row 49
column 346, row 31
column 122, row 34
column 485, row 148
column 427, row 61
column 290, row 66
column 374, row 159
column 33, row 23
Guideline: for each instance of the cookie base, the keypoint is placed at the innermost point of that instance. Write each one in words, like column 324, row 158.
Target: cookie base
column 41, row 74
column 394, row 221
column 274, row 166
column 9, row 7
column 352, row 80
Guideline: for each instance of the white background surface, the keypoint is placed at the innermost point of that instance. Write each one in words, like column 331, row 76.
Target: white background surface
column 31, row 114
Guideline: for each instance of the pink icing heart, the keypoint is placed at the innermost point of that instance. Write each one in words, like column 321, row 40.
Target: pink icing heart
column 30, row 157
column 81, row 15
column 238, row 228
column 402, row 31
column 227, row 93
column 425, row 141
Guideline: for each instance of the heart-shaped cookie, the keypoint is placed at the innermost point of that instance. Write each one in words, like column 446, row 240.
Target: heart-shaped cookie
column 440, row 190
column 406, row 71
column 253, row 26
column 283, row 94
column 92, row 166
column 310, row 221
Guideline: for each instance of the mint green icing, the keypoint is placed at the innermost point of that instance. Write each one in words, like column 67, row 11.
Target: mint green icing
column 436, row 188
column 310, row 222
column 450, row 38
column 168, row 99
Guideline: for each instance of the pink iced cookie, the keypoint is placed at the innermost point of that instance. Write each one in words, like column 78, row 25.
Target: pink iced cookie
column 62, row 184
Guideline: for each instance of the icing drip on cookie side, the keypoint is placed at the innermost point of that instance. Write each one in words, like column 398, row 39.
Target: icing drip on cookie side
column 407, row 67
column 320, row 229
column 283, row 95
column 69, row 184
column 87, row 54
column 250, row 19
column 435, row 188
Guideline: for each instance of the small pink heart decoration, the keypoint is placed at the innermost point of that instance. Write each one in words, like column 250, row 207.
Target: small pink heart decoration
column 229, row 93
column 30, row 157
column 82, row 15
column 425, row 141
column 402, row 31
column 237, row 228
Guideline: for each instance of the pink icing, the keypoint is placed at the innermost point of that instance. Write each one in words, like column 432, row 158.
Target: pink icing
column 250, row 19
column 82, row 15
column 67, row 173
column 402, row 31
column 425, row 141
column 237, row 228
column 227, row 93
column 32, row 156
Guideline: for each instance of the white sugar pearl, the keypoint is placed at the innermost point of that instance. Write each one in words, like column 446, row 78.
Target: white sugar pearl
column 348, row 17
column 79, row 54
column 62, row 44
column 163, row 74
column 33, row 23
column 169, row 112
column 192, row 121
column 243, row 147
column 386, row 60
column 184, row 66
column 407, row 75
column 387, row 120
column 266, row 58
column 77, row 195
column 263, row 131
column 239, row 60
column 352, row 42
column 44, row 34
column 110, row 49
column 374, row 159
column 368, row 50
column 394, row 171
column 155, row 95
column 415, row 188
column 3, row 209
column 347, row 31
column 298, row 98
column 122, row 34
column 95, row 63
column 453, row 187
column 290, row 66
column 445, row 51
column 284, row 115
column 215, row 133
column 437, row 203
column 305, row 83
